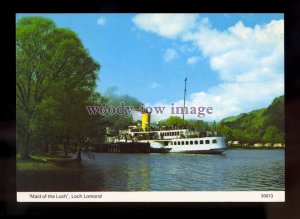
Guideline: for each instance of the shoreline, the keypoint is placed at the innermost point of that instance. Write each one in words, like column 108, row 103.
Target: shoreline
column 253, row 148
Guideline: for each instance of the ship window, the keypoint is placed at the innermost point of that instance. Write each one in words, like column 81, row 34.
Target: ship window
column 171, row 143
column 191, row 142
column 201, row 142
column 187, row 143
column 177, row 133
column 214, row 141
column 196, row 142
column 178, row 142
column 175, row 142
column 206, row 141
column 182, row 143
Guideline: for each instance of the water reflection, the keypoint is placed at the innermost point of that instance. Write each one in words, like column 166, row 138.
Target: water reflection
column 138, row 174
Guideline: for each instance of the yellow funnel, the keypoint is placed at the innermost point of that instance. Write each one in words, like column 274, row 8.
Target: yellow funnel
column 145, row 121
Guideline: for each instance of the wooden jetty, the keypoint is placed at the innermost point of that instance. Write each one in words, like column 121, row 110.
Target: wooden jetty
column 131, row 147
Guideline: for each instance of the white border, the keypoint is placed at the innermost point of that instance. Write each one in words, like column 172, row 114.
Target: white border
column 227, row 196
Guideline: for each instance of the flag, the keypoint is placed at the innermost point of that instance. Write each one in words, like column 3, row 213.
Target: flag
column 185, row 79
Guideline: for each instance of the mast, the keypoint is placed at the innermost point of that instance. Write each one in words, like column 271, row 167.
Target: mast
column 184, row 99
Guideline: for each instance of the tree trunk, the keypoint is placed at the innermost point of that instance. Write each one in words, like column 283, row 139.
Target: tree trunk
column 24, row 153
column 45, row 148
column 66, row 147
column 78, row 157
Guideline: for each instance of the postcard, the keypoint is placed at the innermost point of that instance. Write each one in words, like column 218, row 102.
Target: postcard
column 178, row 107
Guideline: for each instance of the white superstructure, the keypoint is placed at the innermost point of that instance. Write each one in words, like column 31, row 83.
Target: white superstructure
column 178, row 140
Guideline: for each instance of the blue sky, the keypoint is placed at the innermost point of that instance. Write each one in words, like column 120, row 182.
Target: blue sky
column 233, row 62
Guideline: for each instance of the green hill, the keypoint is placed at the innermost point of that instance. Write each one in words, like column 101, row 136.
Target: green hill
column 230, row 118
column 254, row 118
column 261, row 125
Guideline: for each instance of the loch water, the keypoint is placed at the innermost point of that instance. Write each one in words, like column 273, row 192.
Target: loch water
column 235, row 170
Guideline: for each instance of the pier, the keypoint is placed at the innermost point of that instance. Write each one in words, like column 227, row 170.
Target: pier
column 131, row 147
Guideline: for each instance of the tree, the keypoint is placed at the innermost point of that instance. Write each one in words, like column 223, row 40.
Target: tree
column 275, row 114
column 197, row 125
column 49, row 62
column 272, row 135
column 172, row 121
column 225, row 131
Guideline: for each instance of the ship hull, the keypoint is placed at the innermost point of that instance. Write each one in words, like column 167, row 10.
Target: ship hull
column 160, row 150
column 208, row 145
column 212, row 151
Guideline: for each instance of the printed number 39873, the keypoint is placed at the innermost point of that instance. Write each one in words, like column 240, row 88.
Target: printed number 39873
column 266, row 196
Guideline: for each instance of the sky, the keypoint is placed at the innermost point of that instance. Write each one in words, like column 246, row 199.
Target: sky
column 234, row 63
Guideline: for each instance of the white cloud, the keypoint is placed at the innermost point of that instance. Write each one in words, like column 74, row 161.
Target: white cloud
column 154, row 85
column 169, row 55
column 187, row 49
column 249, row 62
column 226, row 99
column 101, row 21
column 193, row 60
column 166, row 25
column 241, row 51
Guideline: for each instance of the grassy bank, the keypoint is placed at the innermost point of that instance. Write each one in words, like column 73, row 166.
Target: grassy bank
column 42, row 162
column 55, row 173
